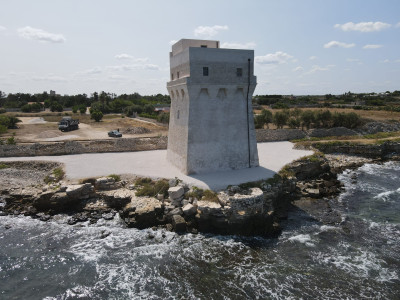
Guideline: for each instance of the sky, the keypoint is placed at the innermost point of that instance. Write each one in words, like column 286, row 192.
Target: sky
column 302, row 47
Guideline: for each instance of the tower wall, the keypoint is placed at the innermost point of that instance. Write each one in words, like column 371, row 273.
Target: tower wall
column 211, row 118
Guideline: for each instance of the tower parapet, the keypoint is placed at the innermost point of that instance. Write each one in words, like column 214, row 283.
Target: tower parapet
column 211, row 119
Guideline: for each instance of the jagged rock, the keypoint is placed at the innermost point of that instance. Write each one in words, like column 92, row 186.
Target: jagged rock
column 189, row 210
column 313, row 193
column 79, row 191
column 173, row 182
column 106, row 183
column 117, row 198
column 178, row 223
column 108, row 216
column 143, row 212
column 176, row 192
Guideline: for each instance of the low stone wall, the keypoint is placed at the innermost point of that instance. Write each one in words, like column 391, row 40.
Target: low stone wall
column 276, row 135
column 79, row 147
column 385, row 150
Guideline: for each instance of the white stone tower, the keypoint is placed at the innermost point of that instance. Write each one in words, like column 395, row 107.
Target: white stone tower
column 211, row 123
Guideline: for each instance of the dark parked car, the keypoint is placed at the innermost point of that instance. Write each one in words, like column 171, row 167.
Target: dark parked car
column 114, row 133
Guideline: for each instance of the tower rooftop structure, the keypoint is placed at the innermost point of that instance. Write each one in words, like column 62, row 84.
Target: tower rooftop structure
column 211, row 120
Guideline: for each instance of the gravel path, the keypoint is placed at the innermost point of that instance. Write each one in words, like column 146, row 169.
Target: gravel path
column 272, row 157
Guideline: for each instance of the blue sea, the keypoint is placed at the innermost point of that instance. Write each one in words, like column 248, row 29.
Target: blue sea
column 356, row 259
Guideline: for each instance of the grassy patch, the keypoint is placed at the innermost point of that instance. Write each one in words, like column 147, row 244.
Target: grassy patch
column 313, row 157
column 56, row 175
column 210, row 196
column 3, row 166
column 150, row 188
column 195, row 193
column 286, row 172
column 90, row 180
column 382, row 135
column 115, row 177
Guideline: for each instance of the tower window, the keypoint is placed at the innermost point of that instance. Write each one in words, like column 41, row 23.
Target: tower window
column 205, row 71
column 239, row 72
column 177, row 75
column 203, row 46
column 172, row 76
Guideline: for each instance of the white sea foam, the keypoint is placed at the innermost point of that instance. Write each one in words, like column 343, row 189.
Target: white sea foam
column 386, row 195
column 302, row 238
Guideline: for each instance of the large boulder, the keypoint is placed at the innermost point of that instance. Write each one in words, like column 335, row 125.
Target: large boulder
column 143, row 212
column 80, row 191
column 176, row 192
column 178, row 223
column 189, row 209
column 117, row 198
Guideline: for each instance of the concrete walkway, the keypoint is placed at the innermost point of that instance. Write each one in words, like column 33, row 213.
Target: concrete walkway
column 272, row 157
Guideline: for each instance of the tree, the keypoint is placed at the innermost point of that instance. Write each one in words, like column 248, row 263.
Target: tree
column 96, row 115
column 259, row 121
column 307, row 118
column 280, row 119
column 267, row 117
column 55, row 106
column 293, row 122
column 82, row 108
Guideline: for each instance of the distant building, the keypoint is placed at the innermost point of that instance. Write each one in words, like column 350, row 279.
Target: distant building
column 52, row 93
column 211, row 120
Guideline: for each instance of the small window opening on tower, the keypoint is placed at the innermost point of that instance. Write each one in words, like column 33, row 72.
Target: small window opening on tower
column 239, row 72
column 183, row 93
column 177, row 75
column 205, row 71
column 177, row 115
column 172, row 94
column 172, row 76
column 203, row 46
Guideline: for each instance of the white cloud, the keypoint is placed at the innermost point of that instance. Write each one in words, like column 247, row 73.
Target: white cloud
column 338, row 44
column 123, row 56
column 209, row 30
column 313, row 58
column 95, row 70
column 363, row 26
column 317, row 68
column 372, row 46
column 40, row 35
column 297, row 69
column 50, row 77
column 117, row 77
column 2, row 28
column 249, row 45
column 397, row 25
column 397, row 61
column 132, row 67
column 278, row 57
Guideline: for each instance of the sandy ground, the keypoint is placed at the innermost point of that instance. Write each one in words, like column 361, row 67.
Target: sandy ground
column 272, row 157
column 36, row 129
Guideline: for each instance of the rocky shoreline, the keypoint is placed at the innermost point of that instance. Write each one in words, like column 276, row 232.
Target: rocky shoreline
column 249, row 209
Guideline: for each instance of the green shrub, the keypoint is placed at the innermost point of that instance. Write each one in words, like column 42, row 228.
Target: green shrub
column 150, row 188
column 210, row 196
column 96, row 115
column 115, row 177
column 195, row 193
column 11, row 141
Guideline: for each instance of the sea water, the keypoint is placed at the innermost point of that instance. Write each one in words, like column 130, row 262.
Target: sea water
column 357, row 259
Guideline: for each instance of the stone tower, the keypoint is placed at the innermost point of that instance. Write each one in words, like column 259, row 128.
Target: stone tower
column 211, row 123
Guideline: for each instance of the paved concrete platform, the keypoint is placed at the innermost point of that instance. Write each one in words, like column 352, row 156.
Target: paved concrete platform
column 272, row 157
